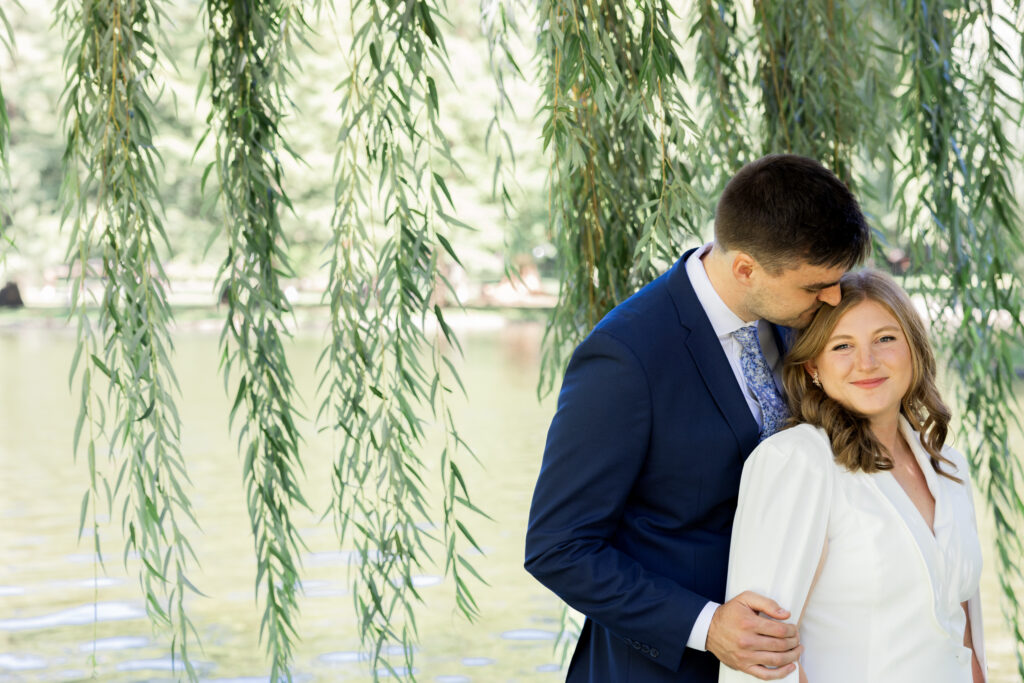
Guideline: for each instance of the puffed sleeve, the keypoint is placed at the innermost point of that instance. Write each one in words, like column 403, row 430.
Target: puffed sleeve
column 781, row 523
column 974, row 602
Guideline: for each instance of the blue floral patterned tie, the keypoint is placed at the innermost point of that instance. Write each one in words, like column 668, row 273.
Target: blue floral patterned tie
column 761, row 382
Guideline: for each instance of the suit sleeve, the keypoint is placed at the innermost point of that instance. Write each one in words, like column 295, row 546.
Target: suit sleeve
column 780, row 527
column 595, row 452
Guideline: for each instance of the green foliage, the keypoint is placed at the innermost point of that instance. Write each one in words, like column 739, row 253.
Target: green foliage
column 816, row 78
column 498, row 21
column 637, row 149
column 386, row 362
column 112, row 204
column 960, row 216
column 7, row 40
column 249, row 47
column 617, row 129
column 813, row 79
column 721, row 75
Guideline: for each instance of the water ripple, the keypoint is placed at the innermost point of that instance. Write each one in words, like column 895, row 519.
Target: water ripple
column 115, row 643
column 21, row 662
column 76, row 616
column 529, row 634
column 161, row 664
column 477, row 661
column 343, row 657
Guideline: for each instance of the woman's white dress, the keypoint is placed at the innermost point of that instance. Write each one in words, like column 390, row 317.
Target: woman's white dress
column 885, row 607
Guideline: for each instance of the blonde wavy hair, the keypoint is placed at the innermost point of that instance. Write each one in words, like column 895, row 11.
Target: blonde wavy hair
column 853, row 443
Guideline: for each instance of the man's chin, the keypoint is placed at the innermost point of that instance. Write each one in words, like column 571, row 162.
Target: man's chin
column 800, row 322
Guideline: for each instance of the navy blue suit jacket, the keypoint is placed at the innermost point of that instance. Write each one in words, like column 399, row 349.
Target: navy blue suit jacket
column 633, row 509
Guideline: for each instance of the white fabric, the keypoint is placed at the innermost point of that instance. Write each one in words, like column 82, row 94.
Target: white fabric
column 724, row 322
column 885, row 607
column 698, row 639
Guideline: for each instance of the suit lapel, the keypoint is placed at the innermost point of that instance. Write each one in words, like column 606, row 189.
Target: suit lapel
column 710, row 359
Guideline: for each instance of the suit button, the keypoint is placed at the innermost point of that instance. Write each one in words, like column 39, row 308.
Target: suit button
column 654, row 652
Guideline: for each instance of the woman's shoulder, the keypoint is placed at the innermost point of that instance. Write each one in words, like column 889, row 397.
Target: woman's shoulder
column 803, row 443
column 961, row 468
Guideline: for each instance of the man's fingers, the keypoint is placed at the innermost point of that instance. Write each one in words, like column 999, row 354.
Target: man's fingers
column 775, row 629
column 768, row 644
column 759, row 603
column 766, row 674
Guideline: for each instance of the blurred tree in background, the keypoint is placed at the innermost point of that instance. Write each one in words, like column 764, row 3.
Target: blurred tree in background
column 376, row 153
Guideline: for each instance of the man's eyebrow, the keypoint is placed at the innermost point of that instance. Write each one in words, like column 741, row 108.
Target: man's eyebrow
column 822, row 285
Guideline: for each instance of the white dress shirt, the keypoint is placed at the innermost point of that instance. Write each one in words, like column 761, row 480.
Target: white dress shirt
column 724, row 322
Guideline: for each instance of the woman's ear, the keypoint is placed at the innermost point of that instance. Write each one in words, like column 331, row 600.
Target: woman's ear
column 812, row 369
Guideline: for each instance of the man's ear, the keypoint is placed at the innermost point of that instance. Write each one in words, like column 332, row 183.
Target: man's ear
column 743, row 267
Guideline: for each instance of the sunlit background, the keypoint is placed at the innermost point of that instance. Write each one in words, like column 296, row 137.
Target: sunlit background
column 65, row 616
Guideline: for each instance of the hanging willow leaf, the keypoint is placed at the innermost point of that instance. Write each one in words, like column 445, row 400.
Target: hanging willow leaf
column 617, row 128
column 7, row 40
column 112, row 204
column 386, row 364
column 958, row 210
column 249, row 48
column 929, row 146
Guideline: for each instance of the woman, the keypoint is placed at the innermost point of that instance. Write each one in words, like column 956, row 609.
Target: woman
column 859, row 519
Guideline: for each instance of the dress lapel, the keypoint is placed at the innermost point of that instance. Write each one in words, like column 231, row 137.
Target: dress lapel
column 911, row 517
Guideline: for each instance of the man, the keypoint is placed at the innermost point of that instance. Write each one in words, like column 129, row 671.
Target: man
column 632, row 513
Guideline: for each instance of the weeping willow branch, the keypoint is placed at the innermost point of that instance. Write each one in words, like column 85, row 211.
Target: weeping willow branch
column 383, row 367
column 7, row 40
column 720, row 77
column 111, row 200
column 959, row 209
column 249, row 44
column 500, row 28
column 813, row 67
column 615, row 126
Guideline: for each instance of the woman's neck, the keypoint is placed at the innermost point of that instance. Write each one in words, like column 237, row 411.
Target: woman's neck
column 887, row 430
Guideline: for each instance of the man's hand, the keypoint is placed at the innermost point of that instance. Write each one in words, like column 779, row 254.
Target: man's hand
column 744, row 640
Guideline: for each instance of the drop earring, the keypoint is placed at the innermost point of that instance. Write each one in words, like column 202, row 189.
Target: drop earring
column 814, row 378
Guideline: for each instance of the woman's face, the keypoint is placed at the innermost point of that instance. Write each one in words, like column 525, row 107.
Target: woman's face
column 866, row 364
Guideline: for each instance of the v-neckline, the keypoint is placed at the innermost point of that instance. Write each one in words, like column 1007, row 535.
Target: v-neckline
column 902, row 500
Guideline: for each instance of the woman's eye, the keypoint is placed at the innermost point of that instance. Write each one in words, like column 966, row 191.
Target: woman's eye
column 887, row 338
column 840, row 347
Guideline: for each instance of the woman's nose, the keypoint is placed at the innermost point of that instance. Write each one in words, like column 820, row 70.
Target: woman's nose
column 866, row 358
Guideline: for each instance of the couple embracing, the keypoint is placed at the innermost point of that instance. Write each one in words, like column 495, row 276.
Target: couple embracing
column 747, row 476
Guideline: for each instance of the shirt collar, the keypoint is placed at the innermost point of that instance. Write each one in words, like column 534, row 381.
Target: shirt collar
column 723, row 321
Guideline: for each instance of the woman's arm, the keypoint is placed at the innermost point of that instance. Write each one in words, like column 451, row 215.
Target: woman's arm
column 780, row 527
column 976, row 671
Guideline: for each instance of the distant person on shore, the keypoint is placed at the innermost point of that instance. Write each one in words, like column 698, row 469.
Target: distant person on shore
column 632, row 513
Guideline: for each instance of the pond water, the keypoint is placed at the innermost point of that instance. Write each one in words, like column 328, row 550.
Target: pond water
column 63, row 617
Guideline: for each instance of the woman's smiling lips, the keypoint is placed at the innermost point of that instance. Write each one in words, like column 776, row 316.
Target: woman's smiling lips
column 869, row 383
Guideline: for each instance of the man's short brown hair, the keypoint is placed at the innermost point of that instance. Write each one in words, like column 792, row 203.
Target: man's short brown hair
column 787, row 210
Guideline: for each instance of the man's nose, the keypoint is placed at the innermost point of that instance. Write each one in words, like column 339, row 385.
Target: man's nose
column 830, row 295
